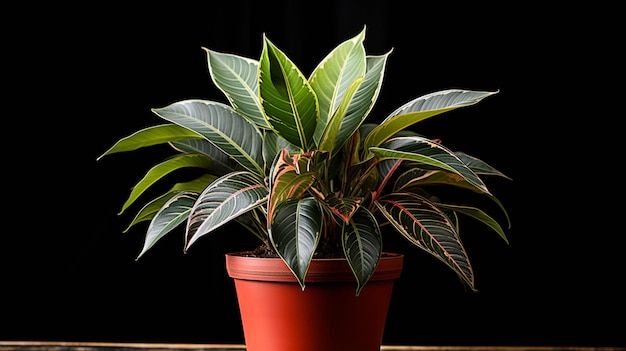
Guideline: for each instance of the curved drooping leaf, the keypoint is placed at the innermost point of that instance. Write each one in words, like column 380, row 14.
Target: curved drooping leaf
column 429, row 155
column 223, row 200
column 479, row 215
column 220, row 125
column 174, row 212
column 163, row 169
column 479, row 166
column 149, row 210
column 422, row 108
column 288, row 100
column 295, row 233
column 151, row 136
column 334, row 76
column 417, row 178
column 427, row 227
column 237, row 77
column 221, row 163
column 362, row 246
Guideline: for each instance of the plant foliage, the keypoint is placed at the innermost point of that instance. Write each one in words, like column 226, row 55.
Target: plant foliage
column 291, row 158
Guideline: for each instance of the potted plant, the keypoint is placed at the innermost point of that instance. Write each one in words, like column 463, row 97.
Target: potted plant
column 292, row 159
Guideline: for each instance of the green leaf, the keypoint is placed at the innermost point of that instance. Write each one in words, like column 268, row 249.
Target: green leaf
column 334, row 75
column 272, row 144
column 288, row 100
column 237, row 77
column 429, row 155
column 174, row 212
column 163, row 169
column 151, row 208
column 223, row 200
column 362, row 246
column 428, row 228
column 295, row 233
column 479, row 166
column 363, row 100
column 151, row 136
column 479, row 215
column 220, row 125
column 221, row 163
column 422, row 108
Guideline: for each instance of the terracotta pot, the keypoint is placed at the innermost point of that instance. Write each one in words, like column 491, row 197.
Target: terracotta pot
column 277, row 315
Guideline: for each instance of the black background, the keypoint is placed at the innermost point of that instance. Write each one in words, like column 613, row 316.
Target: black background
column 82, row 77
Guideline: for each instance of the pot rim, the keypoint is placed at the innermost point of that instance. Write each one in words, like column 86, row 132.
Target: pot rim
column 243, row 265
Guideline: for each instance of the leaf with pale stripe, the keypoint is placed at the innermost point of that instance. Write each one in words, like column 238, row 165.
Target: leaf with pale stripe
column 151, row 208
column 427, row 227
column 363, row 101
column 334, row 76
column 220, row 162
column 223, row 200
column 288, row 100
column 174, row 212
column 429, row 155
column 237, row 77
column 295, row 233
column 220, row 125
column 362, row 246
column 422, row 108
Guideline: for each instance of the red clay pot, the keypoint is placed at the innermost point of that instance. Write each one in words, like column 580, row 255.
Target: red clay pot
column 277, row 315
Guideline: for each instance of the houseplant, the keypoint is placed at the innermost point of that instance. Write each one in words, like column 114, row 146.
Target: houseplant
column 293, row 161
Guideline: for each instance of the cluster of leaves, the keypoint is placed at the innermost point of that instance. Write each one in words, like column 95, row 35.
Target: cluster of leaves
column 292, row 159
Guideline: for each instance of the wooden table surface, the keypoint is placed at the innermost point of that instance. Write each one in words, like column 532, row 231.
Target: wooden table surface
column 108, row 346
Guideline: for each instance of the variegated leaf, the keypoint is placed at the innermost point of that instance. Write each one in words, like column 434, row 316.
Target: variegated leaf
column 174, row 212
column 427, row 227
column 362, row 246
column 334, row 76
column 429, row 155
column 422, row 108
column 222, row 126
column 288, row 100
column 220, row 162
column 362, row 102
column 237, row 77
column 295, row 233
column 286, row 182
column 223, row 200
column 151, row 208
column 344, row 208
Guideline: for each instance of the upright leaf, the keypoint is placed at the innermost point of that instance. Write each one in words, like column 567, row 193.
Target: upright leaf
column 334, row 75
column 288, row 100
column 238, row 78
